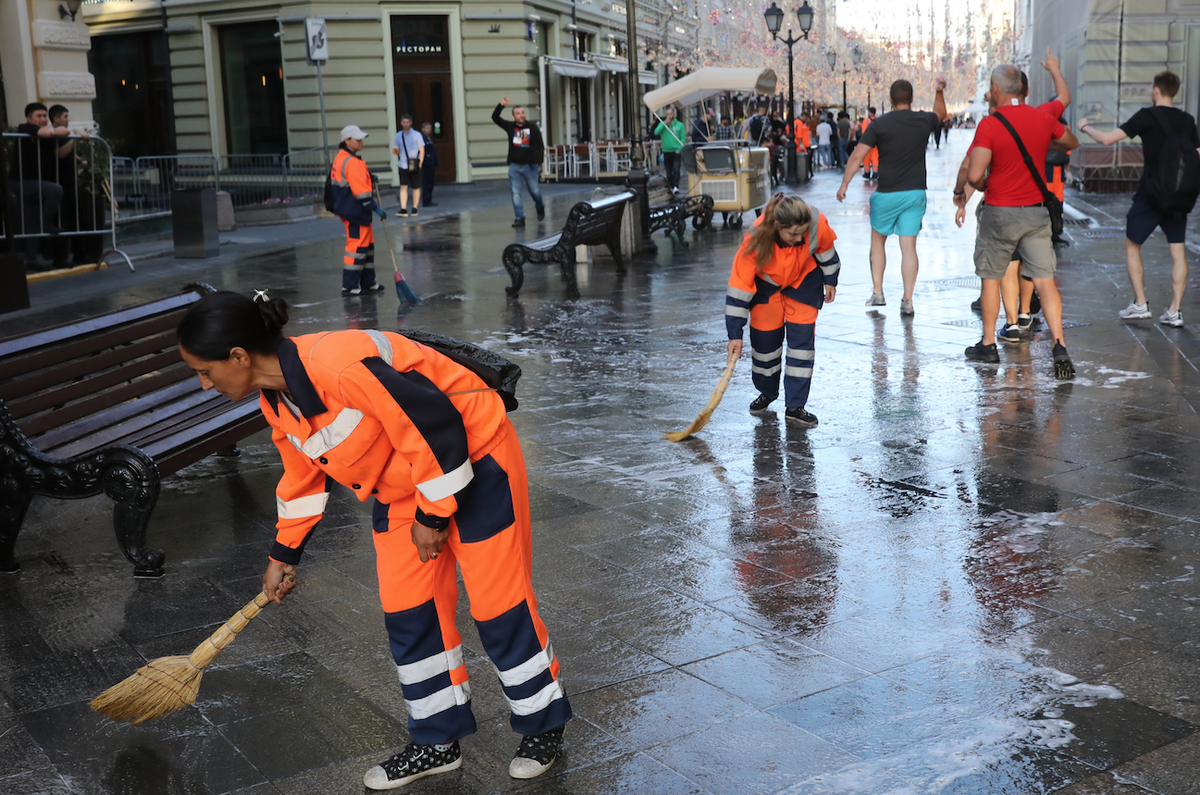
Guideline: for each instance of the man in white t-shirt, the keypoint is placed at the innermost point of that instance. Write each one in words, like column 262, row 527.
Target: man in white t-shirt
column 824, row 154
column 409, row 149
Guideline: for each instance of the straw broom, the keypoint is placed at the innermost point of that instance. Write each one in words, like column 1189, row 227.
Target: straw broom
column 702, row 418
column 167, row 684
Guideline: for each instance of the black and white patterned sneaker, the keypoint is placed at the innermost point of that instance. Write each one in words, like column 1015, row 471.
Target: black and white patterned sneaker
column 414, row 762
column 536, row 753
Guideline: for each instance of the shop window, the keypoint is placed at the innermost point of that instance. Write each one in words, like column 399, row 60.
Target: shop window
column 133, row 94
column 252, row 74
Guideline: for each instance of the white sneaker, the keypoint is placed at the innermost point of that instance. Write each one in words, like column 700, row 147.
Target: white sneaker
column 1169, row 318
column 876, row 299
column 1135, row 312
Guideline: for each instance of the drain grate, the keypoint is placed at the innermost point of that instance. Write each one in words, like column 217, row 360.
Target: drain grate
column 1103, row 234
column 977, row 323
column 942, row 285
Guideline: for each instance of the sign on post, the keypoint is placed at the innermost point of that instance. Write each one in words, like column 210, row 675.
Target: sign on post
column 318, row 44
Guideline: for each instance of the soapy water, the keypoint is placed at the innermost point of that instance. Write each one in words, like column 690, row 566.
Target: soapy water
column 970, row 747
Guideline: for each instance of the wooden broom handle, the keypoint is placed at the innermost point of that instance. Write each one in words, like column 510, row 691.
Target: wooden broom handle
column 207, row 651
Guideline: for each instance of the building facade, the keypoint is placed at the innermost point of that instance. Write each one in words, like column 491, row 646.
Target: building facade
column 1110, row 51
column 237, row 77
column 44, row 58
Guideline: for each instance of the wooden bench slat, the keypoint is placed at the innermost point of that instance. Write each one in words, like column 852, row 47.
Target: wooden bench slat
column 171, row 426
column 239, row 413
column 175, row 411
column 251, row 421
column 112, row 397
column 51, row 440
column 22, row 344
column 88, row 365
column 91, row 386
column 48, row 357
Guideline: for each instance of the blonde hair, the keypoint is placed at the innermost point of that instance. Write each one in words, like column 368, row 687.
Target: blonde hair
column 781, row 212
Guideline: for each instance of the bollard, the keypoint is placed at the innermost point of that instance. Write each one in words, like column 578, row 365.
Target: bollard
column 194, row 223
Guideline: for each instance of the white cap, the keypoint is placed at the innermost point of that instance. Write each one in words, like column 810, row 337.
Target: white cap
column 353, row 131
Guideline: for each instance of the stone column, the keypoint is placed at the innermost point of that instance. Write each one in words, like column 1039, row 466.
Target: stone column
column 44, row 58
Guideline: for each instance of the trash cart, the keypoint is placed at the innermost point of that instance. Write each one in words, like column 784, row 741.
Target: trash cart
column 737, row 177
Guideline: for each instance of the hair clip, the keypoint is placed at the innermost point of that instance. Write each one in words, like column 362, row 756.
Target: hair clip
column 261, row 295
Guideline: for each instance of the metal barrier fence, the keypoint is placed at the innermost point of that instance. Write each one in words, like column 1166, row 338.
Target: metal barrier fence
column 142, row 187
column 62, row 193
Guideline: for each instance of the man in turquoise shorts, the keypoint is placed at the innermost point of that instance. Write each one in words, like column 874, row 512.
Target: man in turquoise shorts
column 898, row 203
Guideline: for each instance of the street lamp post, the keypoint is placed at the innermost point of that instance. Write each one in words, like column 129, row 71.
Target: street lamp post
column 856, row 56
column 637, row 178
column 774, row 17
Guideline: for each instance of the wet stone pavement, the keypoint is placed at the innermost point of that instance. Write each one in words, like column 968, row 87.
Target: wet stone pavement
column 967, row 579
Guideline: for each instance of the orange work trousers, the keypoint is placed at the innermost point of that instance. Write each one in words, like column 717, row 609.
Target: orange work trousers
column 871, row 161
column 358, row 265
column 490, row 538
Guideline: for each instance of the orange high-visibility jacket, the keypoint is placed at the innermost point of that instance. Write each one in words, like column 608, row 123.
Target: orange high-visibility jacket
column 803, row 136
column 381, row 414
column 792, row 271
column 352, row 189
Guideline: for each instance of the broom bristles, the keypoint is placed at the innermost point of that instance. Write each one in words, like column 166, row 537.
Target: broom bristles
column 713, row 401
column 167, row 684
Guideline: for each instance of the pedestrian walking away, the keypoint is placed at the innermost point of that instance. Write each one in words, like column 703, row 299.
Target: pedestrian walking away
column 671, row 133
column 844, row 142
column 1017, row 295
column 1169, row 144
column 1015, row 216
column 899, row 201
column 423, row 438
column 871, row 161
column 353, row 202
column 785, row 271
column 409, row 149
column 759, row 129
column 824, row 152
column 428, row 166
column 525, row 154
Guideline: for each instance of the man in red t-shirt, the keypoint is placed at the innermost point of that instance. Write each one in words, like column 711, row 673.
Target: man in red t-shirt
column 1014, row 217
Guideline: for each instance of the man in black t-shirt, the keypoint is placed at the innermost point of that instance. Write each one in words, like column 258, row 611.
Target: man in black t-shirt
column 525, row 154
column 33, row 175
column 1143, row 216
column 898, row 203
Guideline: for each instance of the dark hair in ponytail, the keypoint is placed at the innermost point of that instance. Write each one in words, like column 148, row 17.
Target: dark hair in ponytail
column 222, row 321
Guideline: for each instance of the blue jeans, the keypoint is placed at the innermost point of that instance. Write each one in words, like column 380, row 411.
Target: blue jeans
column 517, row 174
column 824, row 155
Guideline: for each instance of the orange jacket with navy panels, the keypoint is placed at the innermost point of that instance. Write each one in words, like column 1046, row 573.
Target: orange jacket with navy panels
column 371, row 411
column 799, row 272
column 353, row 192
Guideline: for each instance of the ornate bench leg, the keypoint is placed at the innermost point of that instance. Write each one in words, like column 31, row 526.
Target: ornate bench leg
column 13, row 505
column 567, row 264
column 133, row 484
column 513, row 263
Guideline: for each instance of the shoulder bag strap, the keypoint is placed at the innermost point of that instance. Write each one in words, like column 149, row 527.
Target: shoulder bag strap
column 1047, row 196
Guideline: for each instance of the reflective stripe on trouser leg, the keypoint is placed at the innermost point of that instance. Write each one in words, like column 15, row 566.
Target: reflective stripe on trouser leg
column 360, row 256
column 419, row 602
column 494, row 550
column 766, row 345
column 798, row 364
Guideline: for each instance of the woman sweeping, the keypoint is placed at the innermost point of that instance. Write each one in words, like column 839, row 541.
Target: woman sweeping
column 786, row 269
column 398, row 422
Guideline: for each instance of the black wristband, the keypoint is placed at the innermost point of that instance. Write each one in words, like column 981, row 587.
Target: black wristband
column 962, row 192
column 434, row 522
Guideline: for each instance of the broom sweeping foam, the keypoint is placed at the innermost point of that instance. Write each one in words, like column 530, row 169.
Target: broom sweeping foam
column 167, row 684
column 715, row 400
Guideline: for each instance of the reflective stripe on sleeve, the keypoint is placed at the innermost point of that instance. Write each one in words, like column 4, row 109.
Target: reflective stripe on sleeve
column 446, row 485
column 332, row 434
column 825, row 256
column 737, row 311
column 382, row 344
column 740, row 295
column 302, row 507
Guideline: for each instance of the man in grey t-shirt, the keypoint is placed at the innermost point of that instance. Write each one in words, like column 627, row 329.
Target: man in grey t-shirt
column 898, row 203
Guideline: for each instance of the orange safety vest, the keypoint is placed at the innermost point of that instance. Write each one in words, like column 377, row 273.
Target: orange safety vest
column 803, row 136
column 379, row 413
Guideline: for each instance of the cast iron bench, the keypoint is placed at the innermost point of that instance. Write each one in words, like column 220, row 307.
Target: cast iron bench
column 105, row 404
column 589, row 223
column 670, row 212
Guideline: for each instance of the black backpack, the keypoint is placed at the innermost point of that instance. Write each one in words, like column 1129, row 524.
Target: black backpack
column 329, row 192
column 1174, row 186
